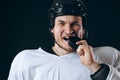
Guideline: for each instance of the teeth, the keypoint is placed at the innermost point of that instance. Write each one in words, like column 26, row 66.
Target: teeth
column 65, row 38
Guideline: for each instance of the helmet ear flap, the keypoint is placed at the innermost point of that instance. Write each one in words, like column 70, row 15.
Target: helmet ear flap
column 51, row 21
column 85, row 34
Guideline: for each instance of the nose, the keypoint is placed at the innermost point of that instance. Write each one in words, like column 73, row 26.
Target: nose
column 68, row 29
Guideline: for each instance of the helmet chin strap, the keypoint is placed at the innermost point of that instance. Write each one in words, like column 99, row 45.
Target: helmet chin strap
column 60, row 45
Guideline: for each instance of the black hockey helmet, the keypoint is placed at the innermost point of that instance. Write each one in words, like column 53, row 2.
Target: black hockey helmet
column 67, row 7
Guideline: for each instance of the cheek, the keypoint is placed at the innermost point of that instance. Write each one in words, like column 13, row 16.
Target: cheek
column 56, row 32
column 77, row 29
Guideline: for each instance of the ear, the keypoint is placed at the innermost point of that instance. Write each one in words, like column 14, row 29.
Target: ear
column 82, row 34
column 51, row 30
column 85, row 34
column 51, row 33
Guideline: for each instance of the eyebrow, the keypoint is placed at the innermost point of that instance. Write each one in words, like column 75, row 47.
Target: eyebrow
column 74, row 22
column 64, row 21
column 61, row 21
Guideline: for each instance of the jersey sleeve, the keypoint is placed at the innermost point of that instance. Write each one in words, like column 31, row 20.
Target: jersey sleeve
column 15, row 72
column 114, row 73
column 111, row 69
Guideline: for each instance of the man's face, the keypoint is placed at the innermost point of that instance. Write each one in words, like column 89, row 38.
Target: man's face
column 66, row 26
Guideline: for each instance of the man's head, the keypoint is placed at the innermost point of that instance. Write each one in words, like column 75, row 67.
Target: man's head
column 67, row 18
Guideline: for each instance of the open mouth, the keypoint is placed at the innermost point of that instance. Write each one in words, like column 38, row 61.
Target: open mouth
column 71, row 38
column 66, row 38
column 72, row 41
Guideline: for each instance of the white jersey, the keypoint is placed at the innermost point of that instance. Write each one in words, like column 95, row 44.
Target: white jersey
column 41, row 65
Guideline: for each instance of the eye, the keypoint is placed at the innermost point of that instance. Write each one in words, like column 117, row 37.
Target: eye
column 75, row 25
column 61, row 24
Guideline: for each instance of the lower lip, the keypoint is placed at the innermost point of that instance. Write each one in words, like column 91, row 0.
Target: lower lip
column 66, row 41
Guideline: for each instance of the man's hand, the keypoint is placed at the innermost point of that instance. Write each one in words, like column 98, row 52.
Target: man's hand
column 86, row 56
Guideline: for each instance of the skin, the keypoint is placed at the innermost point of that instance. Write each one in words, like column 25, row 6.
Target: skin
column 66, row 26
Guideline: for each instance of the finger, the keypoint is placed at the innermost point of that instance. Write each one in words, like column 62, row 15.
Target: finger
column 83, row 49
column 82, row 42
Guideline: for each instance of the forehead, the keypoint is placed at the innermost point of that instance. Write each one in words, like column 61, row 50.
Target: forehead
column 68, row 18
